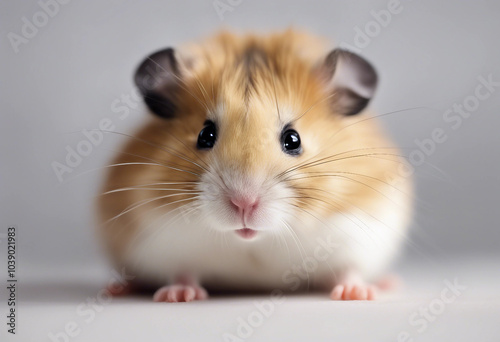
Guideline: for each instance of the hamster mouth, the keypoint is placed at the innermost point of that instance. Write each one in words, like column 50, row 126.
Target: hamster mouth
column 246, row 233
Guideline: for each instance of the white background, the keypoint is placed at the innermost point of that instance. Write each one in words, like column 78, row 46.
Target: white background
column 65, row 79
column 68, row 75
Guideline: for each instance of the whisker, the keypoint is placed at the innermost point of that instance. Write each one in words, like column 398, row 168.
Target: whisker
column 180, row 209
column 149, row 200
column 366, row 119
column 153, row 234
column 354, row 240
column 340, row 213
column 160, row 147
column 403, row 234
column 125, row 164
column 190, row 149
column 165, row 183
column 381, row 115
column 307, row 163
column 354, row 180
column 139, row 188
column 317, row 163
column 366, row 176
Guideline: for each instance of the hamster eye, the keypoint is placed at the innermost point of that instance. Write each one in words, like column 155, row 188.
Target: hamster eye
column 290, row 140
column 207, row 136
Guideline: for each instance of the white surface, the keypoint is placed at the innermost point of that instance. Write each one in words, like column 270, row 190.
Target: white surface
column 47, row 305
column 67, row 77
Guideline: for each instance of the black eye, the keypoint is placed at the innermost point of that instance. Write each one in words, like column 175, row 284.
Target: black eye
column 290, row 140
column 207, row 136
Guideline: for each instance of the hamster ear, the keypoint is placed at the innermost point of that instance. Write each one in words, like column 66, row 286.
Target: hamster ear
column 351, row 79
column 158, row 79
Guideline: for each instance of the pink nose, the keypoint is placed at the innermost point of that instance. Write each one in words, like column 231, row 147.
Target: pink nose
column 245, row 206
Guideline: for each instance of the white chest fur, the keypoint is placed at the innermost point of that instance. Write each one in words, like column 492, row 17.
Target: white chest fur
column 311, row 256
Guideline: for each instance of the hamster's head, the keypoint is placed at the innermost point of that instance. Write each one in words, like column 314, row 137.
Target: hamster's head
column 268, row 128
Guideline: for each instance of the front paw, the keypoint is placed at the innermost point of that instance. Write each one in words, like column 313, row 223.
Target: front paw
column 358, row 291
column 351, row 286
column 180, row 293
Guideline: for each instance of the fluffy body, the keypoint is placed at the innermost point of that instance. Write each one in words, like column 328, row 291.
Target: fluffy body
column 341, row 206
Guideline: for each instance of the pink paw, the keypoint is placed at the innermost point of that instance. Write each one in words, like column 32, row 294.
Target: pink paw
column 358, row 291
column 352, row 287
column 180, row 293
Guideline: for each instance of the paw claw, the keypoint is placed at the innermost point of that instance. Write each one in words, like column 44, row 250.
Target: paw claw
column 371, row 293
column 347, row 292
column 357, row 293
column 337, row 292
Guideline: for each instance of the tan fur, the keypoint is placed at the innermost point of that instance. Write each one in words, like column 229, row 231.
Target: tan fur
column 252, row 86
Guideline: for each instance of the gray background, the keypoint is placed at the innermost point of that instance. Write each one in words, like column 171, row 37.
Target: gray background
column 67, row 76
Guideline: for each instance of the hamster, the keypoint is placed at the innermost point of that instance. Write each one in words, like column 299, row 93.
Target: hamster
column 259, row 169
